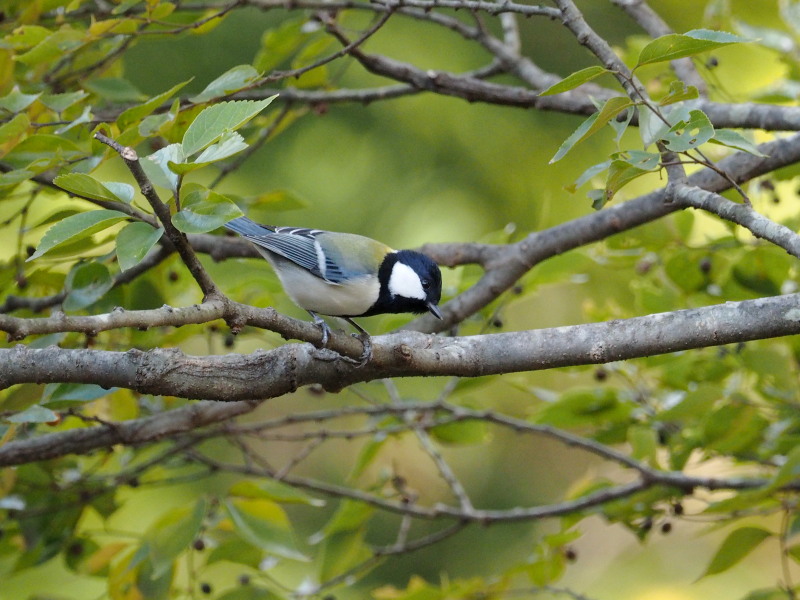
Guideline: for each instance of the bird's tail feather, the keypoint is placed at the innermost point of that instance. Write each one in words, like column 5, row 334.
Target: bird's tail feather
column 244, row 226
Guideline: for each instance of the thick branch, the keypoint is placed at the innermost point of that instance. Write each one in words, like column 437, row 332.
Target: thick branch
column 283, row 370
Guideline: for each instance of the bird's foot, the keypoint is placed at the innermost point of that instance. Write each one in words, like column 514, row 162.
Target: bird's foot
column 326, row 330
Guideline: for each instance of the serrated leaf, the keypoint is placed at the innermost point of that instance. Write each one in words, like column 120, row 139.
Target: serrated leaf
column 87, row 187
column 229, row 82
column 137, row 113
column 264, row 523
column 33, row 414
column 134, row 241
column 620, row 173
column 572, row 81
column 676, row 45
column 736, row 546
column 172, row 534
column 75, row 228
column 734, row 139
column 611, row 108
column 214, row 121
column 203, row 211
column 86, row 283
column 229, row 144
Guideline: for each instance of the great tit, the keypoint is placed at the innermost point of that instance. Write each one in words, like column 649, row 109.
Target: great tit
column 345, row 275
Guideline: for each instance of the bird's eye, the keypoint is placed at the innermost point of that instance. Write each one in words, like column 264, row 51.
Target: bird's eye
column 425, row 284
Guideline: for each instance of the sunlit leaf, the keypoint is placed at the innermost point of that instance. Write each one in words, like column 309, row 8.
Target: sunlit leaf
column 675, row 45
column 611, row 108
column 203, row 211
column 736, row 546
column 231, row 81
column 136, row 113
column 87, row 186
column 77, row 227
column 213, row 122
column 574, row 80
column 264, row 523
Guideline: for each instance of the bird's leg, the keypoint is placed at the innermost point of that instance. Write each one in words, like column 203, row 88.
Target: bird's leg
column 366, row 354
column 320, row 322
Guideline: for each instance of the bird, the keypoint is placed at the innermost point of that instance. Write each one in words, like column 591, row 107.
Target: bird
column 345, row 275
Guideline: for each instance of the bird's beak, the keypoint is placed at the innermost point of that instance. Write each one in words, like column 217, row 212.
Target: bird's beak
column 435, row 310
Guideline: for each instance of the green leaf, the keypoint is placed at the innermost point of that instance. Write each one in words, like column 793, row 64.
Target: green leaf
column 75, row 228
column 229, row 82
column 572, row 81
column 87, row 186
column 644, row 442
column 588, row 174
column 214, row 121
column 581, row 407
column 734, row 139
column 134, row 241
column 33, row 414
column 203, row 211
column 137, row 113
column 350, row 516
column 86, row 283
column 64, row 395
column 156, row 166
column 249, row 592
column 273, row 490
column 60, row 102
column 736, row 546
column 611, row 108
column 678, row 92
column 620, row 173
column 115, row 89
column 789, row 471
column 341, row 552
column 229, row 144
column 687, row 135
column 14, row 128
column 16, row 101
column 461, row 432
column 172, row 534
column 264, row 523
column 675, row 45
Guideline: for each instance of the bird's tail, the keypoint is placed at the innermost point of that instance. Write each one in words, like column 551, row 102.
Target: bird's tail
column 244, row 226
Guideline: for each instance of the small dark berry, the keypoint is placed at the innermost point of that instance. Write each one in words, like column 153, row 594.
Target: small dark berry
column 205, row 588
column 75, row 548
column 666, row 527
column 570, row 554
column 29, row 250
column 199, row 545
column 647, row 524
column 497, row 322
column 705, row 265
column 600, row 374
column 173, row 276
column 712, row 62
column 244, row 579
column 133, row 482
column 677, row 508
column 229, row 340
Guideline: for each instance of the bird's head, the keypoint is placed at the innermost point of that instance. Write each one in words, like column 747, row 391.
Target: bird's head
column 412, row 283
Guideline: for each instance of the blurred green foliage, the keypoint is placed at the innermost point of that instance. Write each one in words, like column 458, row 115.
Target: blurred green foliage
column 166, row 520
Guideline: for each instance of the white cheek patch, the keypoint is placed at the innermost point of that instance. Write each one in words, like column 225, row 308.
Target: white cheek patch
column 405, row 282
